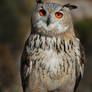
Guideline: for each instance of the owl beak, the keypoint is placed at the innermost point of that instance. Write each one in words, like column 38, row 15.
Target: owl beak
column 48, row 20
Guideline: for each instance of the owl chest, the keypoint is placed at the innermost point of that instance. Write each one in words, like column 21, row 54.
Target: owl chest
column 53, row 60
column 55, row 64
column 52, row 56
column 55, row 69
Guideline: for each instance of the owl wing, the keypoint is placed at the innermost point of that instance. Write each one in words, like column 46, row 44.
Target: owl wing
column 25, row 70
column 80, row 66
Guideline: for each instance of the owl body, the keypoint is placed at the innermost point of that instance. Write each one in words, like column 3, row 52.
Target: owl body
column 52, row 60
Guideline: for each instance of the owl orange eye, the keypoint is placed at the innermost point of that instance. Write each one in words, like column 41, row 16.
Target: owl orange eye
column 59, row 15
column 42, row 12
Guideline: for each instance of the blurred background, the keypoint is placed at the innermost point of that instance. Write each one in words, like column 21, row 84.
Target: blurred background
column 15, row 28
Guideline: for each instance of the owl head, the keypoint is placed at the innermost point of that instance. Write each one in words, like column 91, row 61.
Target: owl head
column 51, row 18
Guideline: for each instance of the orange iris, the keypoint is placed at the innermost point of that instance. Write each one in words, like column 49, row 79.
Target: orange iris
column 42, row 12
column 59, row 14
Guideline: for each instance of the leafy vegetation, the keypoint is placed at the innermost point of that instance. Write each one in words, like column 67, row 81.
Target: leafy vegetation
column 84, row 28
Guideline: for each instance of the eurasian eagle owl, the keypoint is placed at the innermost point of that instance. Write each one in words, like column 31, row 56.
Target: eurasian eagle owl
column 53, row 59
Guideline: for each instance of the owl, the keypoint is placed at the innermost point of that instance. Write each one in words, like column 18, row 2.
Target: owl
column 53, row 58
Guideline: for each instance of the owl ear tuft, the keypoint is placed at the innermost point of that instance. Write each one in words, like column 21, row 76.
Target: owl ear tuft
column 39, row 1
column 70, row 6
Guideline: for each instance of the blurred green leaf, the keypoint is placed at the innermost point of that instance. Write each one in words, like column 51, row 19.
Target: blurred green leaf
column 84, row 28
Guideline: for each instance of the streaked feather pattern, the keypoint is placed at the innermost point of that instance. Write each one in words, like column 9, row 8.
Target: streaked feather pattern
column 55, row 62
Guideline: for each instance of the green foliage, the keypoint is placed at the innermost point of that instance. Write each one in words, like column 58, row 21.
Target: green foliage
column 84, row 26
column 13, row 20
column 8, row 22
column 0, row 88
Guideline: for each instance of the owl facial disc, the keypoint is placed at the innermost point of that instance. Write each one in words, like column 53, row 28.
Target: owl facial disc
column 48, row 26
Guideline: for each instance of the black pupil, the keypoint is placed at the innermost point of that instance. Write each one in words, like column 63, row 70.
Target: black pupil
column 43, row 11
column 58, row 13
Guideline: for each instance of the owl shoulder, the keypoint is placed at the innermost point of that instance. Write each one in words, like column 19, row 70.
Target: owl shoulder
column 80, row 64
column 26, row 66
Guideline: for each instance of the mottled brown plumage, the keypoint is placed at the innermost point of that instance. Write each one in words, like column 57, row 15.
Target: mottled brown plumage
column 53, row 59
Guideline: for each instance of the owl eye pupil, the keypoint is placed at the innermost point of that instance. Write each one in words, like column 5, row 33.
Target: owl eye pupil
column 58, row 14
column 42, row 12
